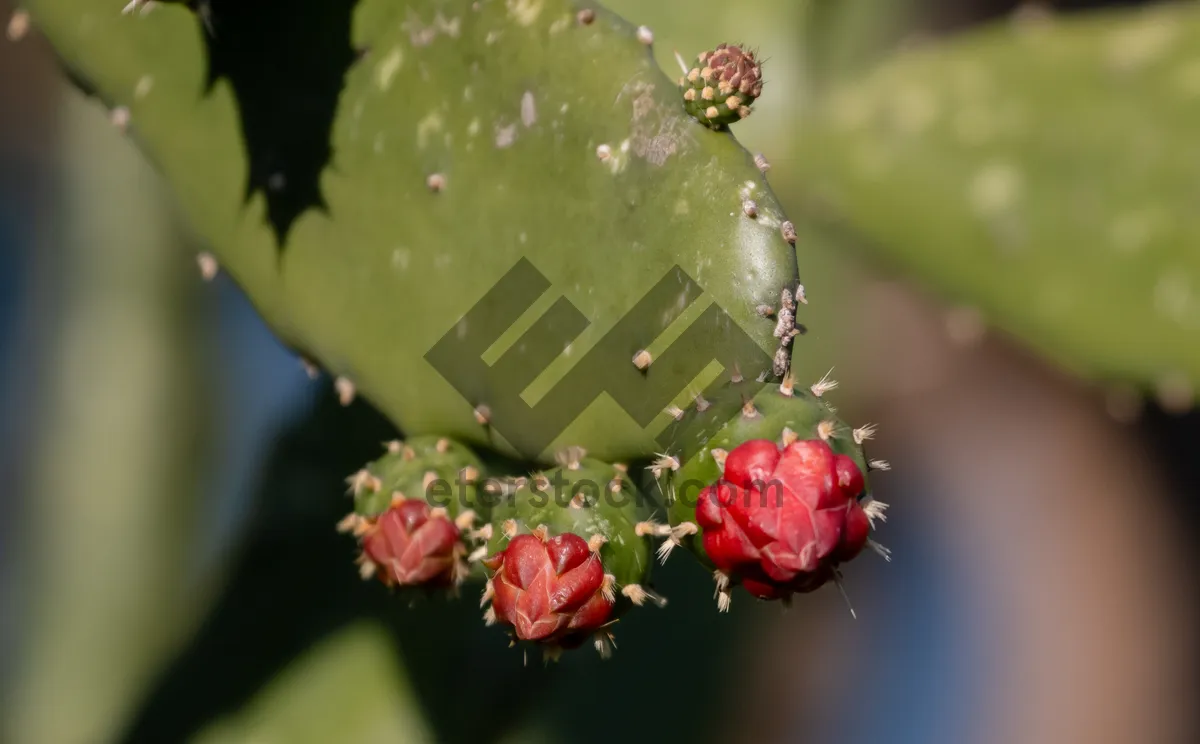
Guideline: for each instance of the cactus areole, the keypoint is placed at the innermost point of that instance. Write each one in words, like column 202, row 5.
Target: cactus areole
column 722, row 85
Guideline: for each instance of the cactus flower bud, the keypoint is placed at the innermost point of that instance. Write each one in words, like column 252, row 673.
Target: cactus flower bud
column 722, row 85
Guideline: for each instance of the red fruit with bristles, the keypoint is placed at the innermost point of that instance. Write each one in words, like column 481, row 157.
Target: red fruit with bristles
column 410, row 545
column 551, row 591
column 779, row 522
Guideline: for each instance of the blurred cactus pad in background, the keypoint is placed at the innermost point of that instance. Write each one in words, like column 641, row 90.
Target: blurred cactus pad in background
column 566, row 329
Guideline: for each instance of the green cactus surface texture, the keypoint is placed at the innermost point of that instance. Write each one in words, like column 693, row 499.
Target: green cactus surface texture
column 368, row 170
column 1056, row 154
column 501, row 224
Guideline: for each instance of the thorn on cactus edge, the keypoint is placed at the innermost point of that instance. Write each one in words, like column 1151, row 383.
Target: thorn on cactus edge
column 675, row 539
column 18, row 25
column 824, row 385
column 875, row 510
column 604, row 643
column 208, row 265
column 483, row 415
column 607, row 588
column 639, row 594
column 663, row 462
column 313, row 372
column 837, row 580
column 885, row 553
column 645, row 35
column 719, row 456
column 362, row 481
column 345, row 390
column 119, row 117
column 722, row 594
column 789, row 232
column 864, row 433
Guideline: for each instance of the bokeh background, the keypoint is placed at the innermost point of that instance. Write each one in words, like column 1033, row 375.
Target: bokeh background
column 170, row 479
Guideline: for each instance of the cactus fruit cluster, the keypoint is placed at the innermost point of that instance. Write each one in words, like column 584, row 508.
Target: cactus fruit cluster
column 456, row 120
column 722, row 86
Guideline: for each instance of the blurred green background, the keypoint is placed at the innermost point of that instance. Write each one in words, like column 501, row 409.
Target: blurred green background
column 996, row 213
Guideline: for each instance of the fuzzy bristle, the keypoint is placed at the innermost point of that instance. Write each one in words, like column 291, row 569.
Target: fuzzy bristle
column 349, row 523
column 608, row 588
column 827, row 429
column 787, row 437
column 489, row 591
column 879, row 465
column 719, row 456
column 363, row 481
column 662, row 463
column 570, row 457
column 509, row 528
column 366, row 568
column 875, row 510
column 787, row 386
column 596, row 541
column 483, row 415
column 881, row 550
column 864, row 433
column 639, row 594
column 478, row 554
column 345, row 390
column 604, row 644
column 489, row 616
column 541, row 532
column 207, row 263
column 824, row 385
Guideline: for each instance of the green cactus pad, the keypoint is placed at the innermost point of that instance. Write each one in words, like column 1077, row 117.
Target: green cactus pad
column 368, row 171
column 1040, row 172
column 722, row 85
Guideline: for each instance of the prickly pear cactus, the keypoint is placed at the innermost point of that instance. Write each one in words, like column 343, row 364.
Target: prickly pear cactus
column 494, row 220
column 368, row 170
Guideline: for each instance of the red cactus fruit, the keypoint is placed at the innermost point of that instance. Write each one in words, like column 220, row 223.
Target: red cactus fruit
column 779, row 522
column 550, row 590
column 412, row 544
